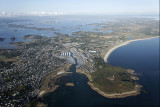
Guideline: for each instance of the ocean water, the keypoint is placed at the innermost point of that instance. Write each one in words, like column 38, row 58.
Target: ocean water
column 65, row 24
column 61, row 24
column 141, row 56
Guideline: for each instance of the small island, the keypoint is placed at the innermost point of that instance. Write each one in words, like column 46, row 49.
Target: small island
column 70, row 84
column 2, row 39
column 46, row 64
column 12, row 38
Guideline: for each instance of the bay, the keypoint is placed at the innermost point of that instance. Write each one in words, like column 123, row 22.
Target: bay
column 141, row 56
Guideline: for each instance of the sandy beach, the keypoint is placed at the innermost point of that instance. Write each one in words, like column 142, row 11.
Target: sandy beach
column 121, row 44
column 43, row 92
column 134, row 92
column 50, row 78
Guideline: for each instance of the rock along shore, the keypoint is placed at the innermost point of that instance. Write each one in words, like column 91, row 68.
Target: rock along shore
column 135, row 92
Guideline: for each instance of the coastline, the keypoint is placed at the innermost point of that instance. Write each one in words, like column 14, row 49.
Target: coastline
column 106, row 56
column 43, row 92
column 117, row 95
column 135, row 92
column 46, row 84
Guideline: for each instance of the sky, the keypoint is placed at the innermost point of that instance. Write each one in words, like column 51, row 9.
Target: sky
column 80, row 6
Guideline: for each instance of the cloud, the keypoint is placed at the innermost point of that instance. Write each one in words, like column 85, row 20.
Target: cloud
column 4, row 14
column 43, row 13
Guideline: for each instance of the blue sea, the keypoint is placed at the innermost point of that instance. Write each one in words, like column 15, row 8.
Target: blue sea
column 65, row 24
column 61, row 24
column 141, row 56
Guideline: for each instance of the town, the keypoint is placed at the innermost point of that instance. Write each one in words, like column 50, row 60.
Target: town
column 22, row 70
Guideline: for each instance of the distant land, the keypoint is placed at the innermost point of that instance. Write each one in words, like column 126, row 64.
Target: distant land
column 47, row 62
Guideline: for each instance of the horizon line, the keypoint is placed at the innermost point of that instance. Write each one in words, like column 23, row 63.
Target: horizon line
column 2, row 13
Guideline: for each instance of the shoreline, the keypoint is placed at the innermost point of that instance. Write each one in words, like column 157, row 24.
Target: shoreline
column 135, row 92
column 47, row 80
column 43, row 92
column 117, row 95
column 106, row 56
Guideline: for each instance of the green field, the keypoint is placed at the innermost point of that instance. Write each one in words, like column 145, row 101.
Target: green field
column 2, row 58
column 111, row 79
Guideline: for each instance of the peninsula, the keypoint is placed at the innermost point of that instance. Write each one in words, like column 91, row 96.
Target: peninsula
column 43, row 65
